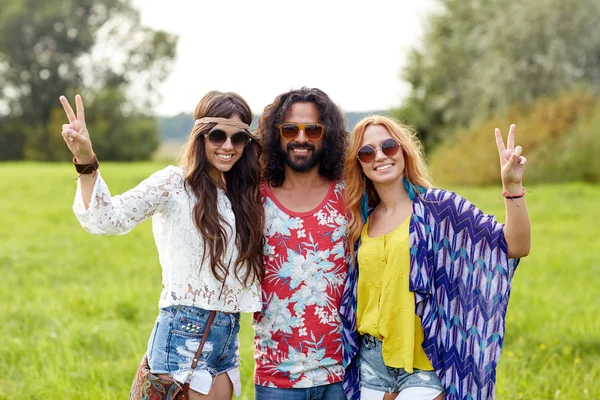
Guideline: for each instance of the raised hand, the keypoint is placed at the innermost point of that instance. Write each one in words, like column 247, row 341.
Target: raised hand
column 512, row 164
column 75, row 133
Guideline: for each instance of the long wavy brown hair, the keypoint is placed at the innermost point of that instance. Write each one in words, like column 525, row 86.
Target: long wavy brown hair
column 242, row 187
column 335, row 138
column 415, row 169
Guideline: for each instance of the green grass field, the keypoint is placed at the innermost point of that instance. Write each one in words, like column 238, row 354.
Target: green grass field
column 77, row 309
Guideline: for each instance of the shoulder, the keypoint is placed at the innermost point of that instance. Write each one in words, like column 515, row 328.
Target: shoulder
column 171, row 173
column 264, row 189
column 437, row 194
column 173, row 170
column 441, row 197
column 168, row 178
column 440, row 202
column 337, row 190
column 436, row 201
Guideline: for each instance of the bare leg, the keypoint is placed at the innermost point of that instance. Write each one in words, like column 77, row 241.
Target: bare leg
column 165, row 377
column 391, row 396
column 394, row 395
column 221, row 389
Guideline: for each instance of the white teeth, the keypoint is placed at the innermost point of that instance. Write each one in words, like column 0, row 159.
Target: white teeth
column 225, row 157
column 383, row 167
column 303, row 151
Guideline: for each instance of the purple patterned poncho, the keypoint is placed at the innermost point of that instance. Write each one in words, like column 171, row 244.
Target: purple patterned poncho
column 461, row 276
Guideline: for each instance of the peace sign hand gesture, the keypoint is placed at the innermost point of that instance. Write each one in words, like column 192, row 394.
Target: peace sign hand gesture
column 512, row 164
column 75, row 133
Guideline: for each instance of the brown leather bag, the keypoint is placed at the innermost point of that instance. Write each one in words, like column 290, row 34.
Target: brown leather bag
column 147, row 386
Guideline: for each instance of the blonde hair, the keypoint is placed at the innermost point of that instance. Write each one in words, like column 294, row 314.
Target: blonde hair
column 415, row 169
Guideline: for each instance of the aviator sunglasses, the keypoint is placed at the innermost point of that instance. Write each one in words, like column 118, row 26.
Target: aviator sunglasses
column 291, row 130
column 218, row 137
column 389, row 147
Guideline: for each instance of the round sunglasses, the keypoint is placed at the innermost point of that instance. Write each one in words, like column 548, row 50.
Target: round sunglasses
column 367, row 153
column 218, row 137
column 291, row 130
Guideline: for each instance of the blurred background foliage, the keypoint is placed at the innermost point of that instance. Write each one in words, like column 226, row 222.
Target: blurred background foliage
column 559, row 135
column 59, row 47
column 489, row 63
column 480, row 64
column 480, row 57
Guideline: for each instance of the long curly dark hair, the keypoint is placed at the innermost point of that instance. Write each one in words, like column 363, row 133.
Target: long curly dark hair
column 242, row 187
column 335, row 138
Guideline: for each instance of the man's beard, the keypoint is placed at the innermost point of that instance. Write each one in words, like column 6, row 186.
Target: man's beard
column 305, row 164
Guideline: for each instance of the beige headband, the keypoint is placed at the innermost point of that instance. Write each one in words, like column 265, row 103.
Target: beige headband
column 222, row 121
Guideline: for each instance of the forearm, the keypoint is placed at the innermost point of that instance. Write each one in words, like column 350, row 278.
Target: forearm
column 87, row 181
column 102, row 214
column 98, row 212
column 517, row 228
column 86, row 184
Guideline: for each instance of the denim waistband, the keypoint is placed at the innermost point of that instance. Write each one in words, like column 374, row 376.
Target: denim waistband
column 200, row 314
column 370, row 340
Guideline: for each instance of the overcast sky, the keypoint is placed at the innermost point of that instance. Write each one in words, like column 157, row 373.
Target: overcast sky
column 352, row 50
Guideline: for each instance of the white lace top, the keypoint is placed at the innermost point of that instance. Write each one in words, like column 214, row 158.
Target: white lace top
column 163, row 197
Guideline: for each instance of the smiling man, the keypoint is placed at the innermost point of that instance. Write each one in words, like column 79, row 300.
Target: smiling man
column 298, row 335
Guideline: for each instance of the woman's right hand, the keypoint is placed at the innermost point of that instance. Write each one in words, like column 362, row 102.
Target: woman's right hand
column 75, row 133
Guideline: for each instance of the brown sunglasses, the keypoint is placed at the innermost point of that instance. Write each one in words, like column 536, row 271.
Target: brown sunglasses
column 367, row 153
column 291, row 130
column 218, row 137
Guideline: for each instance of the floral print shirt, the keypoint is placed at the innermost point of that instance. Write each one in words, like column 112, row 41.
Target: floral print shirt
column 298, row 334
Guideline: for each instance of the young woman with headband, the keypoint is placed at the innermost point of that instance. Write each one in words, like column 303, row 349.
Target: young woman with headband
column 207, row 221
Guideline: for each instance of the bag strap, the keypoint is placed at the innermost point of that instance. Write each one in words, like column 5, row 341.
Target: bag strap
column 186, row 386
column 211, row 317
column 185, row 389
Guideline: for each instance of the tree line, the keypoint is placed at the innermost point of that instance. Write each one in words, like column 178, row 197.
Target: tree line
column 478, row 59
column 176, row 128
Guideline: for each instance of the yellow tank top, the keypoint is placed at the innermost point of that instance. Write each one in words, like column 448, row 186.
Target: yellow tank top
column 386, row 308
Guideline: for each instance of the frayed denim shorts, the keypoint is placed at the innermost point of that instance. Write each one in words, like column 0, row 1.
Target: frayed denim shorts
column 175, row 339
column 377, row 376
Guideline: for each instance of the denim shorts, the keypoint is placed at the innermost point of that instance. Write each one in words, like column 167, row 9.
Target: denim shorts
column 175, row 339
column 374, row 374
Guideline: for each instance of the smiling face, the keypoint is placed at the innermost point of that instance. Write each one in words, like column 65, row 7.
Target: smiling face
column 301, row 153
column 383, row 169
column 222, row 157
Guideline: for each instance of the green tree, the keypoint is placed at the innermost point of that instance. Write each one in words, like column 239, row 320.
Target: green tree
column 91, row 47
column 479, row 57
